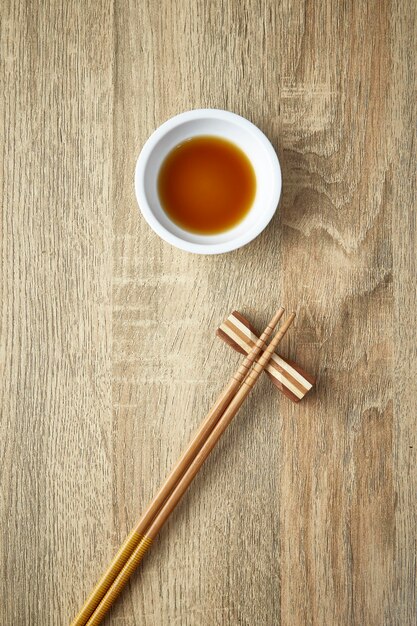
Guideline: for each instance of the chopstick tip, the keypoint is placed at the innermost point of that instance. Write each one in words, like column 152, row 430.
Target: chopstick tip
column 288, row 322
column 277, row 316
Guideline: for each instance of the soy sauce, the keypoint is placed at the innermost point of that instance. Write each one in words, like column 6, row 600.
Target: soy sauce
column 206, row 185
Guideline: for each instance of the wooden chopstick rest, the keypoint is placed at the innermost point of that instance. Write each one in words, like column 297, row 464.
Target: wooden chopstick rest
column 291, row 379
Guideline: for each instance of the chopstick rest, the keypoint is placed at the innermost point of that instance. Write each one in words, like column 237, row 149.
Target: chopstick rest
column 291, row 380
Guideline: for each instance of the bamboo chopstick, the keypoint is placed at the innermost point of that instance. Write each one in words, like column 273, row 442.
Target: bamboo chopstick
column 137, row 534
column 187, row 478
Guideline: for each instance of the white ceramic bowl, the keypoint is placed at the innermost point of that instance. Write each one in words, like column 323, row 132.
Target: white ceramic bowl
column 218, row 123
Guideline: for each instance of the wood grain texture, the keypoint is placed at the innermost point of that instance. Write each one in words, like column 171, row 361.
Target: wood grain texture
column 56, row 321
column 306, row 513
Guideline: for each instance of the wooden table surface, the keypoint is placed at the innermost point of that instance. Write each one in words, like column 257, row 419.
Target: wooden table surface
column 305, row 514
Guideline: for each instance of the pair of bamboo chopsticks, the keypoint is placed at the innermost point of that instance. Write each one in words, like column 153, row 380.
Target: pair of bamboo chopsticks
column 158, row 511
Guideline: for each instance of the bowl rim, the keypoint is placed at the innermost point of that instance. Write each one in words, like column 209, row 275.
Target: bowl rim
column 165, row 234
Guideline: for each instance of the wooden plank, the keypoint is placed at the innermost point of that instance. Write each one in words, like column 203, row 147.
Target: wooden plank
column 56, row 233
column 402, row 196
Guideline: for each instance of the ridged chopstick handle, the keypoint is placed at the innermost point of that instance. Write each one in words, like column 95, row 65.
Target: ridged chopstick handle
column 106, row 581
column 120, row 581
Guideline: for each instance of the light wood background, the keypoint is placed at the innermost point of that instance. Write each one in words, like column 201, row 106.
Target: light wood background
column 306, row 513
